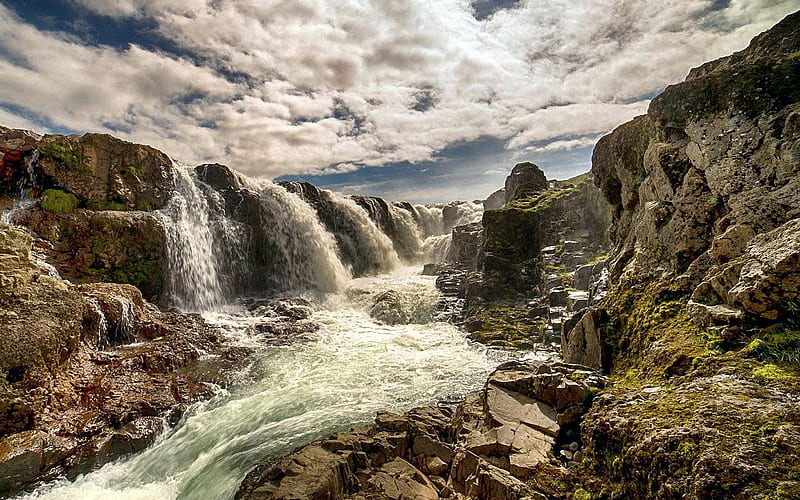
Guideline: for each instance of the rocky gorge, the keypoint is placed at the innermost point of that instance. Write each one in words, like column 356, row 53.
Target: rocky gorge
column 628, row 333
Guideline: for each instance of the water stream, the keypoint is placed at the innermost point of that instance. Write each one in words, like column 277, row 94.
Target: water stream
column 349, row 369
column 326, row 381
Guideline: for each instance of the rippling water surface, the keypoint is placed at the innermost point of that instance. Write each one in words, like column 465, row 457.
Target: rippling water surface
column 296, row 393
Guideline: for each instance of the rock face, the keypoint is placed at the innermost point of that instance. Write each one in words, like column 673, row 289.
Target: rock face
column 88, row 246
column 699, row 328
column 95, row 191
column 483, row 448
column 101, row 171
column 73, row 394
column 525, row 180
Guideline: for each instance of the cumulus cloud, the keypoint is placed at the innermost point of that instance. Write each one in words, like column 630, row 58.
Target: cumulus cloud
column 320, row 86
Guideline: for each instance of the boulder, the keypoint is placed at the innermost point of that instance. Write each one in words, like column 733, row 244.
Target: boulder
column 525, row 179
column 105, row 172
column 586, row 343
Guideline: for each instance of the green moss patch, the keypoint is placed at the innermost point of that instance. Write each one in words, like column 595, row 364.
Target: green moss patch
column 540, row 201
column 506, row 327
column 56, row 200
column 70, row 156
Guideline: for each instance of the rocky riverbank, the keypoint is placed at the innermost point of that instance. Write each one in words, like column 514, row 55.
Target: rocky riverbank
column 694, row 317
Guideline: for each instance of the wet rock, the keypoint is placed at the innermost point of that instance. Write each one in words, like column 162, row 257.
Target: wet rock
column 68, row 407
column 465, row 246
column 558, row 297
column 104, row 246
column 582, row 278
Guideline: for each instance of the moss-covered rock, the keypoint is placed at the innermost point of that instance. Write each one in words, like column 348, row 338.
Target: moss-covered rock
column 55, row 200
column 104, row 246
column 702, row 323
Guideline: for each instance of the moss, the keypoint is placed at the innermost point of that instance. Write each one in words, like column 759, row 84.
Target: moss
column 56, row 200
column 68, row 155
column 775, row 345
column 506, row 327
column 540, row 201
column 770, row 372
column 107, row 205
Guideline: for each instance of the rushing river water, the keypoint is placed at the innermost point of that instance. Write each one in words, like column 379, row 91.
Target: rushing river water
column 316, row 384
column 349, row 369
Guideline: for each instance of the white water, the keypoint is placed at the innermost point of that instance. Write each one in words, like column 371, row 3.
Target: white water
column 371, row 244
column 193, row 283
column 329, row 380
column 307, row 251
column 351, row 368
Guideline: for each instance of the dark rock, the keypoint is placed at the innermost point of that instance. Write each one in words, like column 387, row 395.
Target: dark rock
column 586, row 343
column 88, row 246
column 525, row 179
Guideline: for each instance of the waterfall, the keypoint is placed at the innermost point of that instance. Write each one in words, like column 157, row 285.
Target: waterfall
column 362, row 246
column 371, row 245
column 193, row 283
column 407, row 232
column 436, row 248
column 305, row 254
column 430, row 220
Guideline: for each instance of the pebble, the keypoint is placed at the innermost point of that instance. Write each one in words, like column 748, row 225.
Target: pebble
column 566, row 454
column 578, row 456
column 573, row 446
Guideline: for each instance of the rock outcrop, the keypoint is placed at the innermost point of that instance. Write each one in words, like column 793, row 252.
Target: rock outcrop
column 525, row 180
column 485, row 447
column 95, row 193
column 73, row 393
column 90, row 246
column 100, row 171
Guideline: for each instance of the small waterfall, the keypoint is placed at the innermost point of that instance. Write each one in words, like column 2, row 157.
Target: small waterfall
column 100, row 323
column 304, row 252
column 407, row 232
column 430, row 220
column 193, row 283
column 371, row 245
column 363, row 247
column 458, row 213
column 19, row 206
column 436, row 248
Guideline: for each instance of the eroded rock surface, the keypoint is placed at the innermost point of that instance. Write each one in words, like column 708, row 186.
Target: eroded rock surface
column 73, row 394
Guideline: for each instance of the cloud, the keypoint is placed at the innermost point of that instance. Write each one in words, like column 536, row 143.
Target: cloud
column 316, row 86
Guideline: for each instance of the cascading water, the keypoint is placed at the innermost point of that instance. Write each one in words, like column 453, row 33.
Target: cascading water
column 305, row 252
column 436, row 248
column 354, row 365
column 371, row 244
column 193, row 283
column 408, row 235
column 339, row 377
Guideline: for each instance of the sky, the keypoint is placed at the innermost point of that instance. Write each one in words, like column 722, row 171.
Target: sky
column 419, row 100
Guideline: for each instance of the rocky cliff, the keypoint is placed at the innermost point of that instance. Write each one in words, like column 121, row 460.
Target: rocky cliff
column 699, row 330
column 96, row 192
